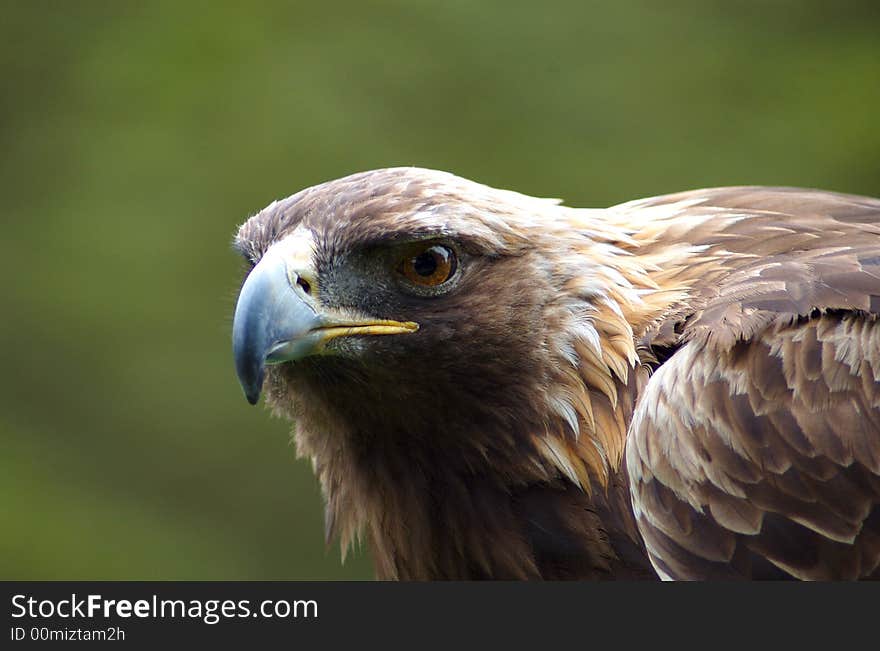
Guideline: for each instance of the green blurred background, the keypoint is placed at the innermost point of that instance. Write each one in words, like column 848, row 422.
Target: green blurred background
column 136, row 136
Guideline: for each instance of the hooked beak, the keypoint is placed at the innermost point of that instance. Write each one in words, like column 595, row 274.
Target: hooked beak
column 277, row 320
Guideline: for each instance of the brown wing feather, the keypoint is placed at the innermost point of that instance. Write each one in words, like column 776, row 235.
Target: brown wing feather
column 755, row 449
column 777, row 251
column 770, row 448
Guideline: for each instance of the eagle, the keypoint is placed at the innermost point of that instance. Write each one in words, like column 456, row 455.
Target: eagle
column 491, row 385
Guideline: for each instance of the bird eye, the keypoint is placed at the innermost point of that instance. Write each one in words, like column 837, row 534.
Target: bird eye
column 429, row 267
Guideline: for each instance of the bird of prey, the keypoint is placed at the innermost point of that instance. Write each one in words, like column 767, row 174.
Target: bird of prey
column 494, row 386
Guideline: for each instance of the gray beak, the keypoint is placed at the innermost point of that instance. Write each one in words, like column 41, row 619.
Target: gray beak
column 275, row 321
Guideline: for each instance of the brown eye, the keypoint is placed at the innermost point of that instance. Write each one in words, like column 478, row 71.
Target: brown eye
column 429, row 267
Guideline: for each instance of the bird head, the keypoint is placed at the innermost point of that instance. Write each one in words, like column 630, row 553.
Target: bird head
column 415, row 306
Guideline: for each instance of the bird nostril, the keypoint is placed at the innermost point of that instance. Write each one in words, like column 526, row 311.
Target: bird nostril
column 302, row 282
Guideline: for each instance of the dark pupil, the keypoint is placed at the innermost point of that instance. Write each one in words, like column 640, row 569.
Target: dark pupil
column 425, row 264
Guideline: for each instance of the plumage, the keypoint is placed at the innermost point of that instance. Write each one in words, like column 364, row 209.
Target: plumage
column 682, row 387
